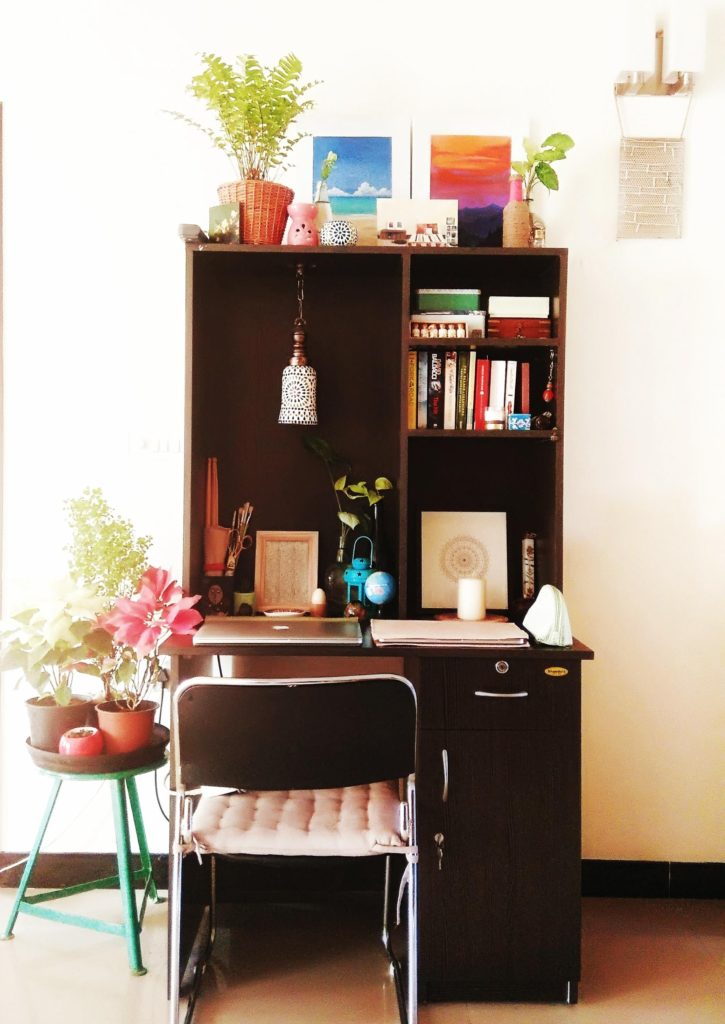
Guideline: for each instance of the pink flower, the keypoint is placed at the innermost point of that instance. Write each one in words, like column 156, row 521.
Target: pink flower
column 156, row 611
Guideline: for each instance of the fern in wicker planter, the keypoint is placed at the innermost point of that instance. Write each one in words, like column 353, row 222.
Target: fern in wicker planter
column 255, row 109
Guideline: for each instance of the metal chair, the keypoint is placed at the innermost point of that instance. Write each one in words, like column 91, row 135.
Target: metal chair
column 315, row 767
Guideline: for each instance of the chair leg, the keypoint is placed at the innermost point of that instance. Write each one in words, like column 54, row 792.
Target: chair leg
column 413, row 944
column 24, row 881
column 386, row 905
column 175, row 915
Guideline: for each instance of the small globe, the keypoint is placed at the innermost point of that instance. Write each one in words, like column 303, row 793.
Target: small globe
column 379, row 588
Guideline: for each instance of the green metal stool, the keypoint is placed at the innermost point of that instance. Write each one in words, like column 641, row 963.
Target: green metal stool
column 123, row 783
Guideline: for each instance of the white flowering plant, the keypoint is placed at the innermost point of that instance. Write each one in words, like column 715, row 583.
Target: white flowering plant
column 47, row 641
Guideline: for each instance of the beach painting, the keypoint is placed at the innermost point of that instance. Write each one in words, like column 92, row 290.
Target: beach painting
column 362, row 174
column 475, row 170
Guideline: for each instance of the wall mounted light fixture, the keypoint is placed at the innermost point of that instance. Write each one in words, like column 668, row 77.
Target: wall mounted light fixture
column 299, row 379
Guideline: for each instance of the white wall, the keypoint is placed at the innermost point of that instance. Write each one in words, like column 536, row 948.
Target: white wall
column 97, row 180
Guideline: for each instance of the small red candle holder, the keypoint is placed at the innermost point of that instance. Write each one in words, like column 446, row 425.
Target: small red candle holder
column 85, row 741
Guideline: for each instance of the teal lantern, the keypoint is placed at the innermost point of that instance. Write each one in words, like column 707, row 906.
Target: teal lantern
column 356, row 574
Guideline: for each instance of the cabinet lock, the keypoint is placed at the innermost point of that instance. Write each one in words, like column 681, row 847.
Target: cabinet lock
column 502, row 667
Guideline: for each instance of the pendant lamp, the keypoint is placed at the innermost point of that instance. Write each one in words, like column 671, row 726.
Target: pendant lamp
column 299, row 380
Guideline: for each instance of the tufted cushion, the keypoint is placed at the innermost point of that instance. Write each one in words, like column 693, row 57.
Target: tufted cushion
column 353, row 822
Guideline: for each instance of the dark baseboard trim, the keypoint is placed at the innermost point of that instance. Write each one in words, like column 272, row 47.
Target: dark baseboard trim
column 636, row 879
column 54, row 870
column 653, row 879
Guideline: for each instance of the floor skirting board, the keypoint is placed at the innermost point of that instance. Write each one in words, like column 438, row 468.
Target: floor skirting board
column 635, row 879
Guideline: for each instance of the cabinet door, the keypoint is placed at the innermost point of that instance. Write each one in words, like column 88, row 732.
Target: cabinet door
column 501, row 904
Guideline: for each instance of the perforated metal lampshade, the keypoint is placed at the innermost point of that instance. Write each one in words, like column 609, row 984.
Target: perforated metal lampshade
column 299, row 380
column 299, row 386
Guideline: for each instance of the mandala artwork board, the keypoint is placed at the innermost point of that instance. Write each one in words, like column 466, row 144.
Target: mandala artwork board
column 456, row 544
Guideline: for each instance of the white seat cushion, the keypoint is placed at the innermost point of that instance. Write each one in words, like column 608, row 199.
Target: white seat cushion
column 357, row 821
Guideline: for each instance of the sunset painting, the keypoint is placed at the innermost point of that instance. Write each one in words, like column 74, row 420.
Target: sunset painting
column 475, row 170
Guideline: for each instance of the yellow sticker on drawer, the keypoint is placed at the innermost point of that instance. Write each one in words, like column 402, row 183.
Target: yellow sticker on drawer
column 556, row 670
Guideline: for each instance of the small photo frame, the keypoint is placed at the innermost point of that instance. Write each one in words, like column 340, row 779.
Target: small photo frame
column 285, row 569
column 457, row 544
column 428, row 222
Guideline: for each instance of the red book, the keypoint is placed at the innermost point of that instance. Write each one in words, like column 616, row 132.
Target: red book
column 525, row 378
column 483, row 378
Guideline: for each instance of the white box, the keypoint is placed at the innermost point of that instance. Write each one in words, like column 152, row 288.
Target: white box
column 519, row 305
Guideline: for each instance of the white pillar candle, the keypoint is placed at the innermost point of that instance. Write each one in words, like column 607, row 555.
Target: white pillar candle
column 471, row 599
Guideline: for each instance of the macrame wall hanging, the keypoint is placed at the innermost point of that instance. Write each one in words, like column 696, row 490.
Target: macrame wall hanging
column 651, row 168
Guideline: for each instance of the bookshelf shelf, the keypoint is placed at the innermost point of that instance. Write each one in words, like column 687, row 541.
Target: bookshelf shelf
column 489, row 435
column 508, row 344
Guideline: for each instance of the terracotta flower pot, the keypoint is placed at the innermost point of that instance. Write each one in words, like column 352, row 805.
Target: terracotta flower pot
column 126, row 729
column 48, row 720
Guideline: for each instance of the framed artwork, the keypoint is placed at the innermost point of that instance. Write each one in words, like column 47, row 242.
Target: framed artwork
column 373, row 161
column 456, row 544
column 285, row 569
column 472, row 167
column 430, row 222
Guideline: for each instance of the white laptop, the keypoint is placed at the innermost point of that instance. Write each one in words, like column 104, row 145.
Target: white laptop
column 258, row 629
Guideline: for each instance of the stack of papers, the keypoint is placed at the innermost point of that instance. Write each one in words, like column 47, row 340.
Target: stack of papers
column 447, row 633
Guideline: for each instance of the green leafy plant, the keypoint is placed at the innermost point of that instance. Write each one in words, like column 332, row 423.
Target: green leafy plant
column 255, row 108
column 354, row 491
column 104, row 552
column 537, row 165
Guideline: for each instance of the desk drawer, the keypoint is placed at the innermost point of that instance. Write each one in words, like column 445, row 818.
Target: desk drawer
column 495, row 693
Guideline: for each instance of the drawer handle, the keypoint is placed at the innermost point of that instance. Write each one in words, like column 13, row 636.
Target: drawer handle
column 485, row 693
column 444, row 757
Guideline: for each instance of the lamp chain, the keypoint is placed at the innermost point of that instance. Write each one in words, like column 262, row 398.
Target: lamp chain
column 300, row 295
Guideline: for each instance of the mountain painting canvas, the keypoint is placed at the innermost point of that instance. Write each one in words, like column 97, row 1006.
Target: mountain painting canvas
column 475, row 170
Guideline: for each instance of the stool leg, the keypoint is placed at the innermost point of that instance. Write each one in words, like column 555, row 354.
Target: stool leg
column 8, row 933
column 125, row 876
column 143, row 847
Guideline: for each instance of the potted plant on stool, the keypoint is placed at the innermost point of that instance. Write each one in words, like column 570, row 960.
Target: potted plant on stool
column 48, row 644
column 255, row 108
column 126, row 649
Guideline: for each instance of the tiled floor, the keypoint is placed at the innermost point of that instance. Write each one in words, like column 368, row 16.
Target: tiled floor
column 645, row 962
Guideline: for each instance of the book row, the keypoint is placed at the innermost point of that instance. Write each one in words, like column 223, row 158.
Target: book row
column 459, row 389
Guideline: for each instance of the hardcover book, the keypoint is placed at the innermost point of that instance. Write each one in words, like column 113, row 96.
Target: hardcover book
column 449, row 390
column 510, row 390
column 422, row 421
column 435, row 389
column 462, row 390
column 481, row 398
column 497, row 395
column 471, row 401
column 412, row 405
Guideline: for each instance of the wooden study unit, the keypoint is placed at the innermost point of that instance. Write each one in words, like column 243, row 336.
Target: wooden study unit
column 498, row 779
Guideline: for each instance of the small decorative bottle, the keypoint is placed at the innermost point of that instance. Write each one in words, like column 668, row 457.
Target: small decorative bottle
column 516, row 224
column 322, row 202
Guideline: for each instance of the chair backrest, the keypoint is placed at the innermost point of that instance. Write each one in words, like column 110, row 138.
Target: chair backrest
column 293, row 733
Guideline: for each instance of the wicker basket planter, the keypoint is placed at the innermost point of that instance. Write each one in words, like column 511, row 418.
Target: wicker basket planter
column 264, row 209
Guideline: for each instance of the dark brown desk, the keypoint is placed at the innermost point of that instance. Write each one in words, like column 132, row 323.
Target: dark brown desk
column 498, row 783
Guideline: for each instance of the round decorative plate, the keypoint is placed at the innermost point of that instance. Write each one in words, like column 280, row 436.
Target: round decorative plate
column 283, row 613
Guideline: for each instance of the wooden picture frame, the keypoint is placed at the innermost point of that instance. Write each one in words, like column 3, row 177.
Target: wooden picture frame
column 285, row 569
column 456, row 544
